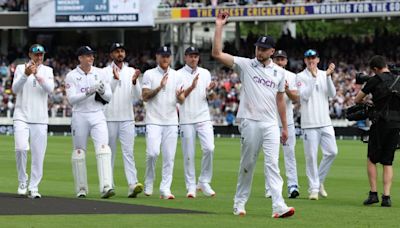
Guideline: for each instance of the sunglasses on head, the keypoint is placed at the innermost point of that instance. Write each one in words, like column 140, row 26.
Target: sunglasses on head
column 310, row 53
column 37, row 49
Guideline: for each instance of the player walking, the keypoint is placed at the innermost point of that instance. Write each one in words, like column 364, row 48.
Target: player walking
column 280, row 58
column 194, row 117
column 162, row 90
column 33, row 82
column 119, row 113
column 315, row 88
column 87, row 92
column 261, row 94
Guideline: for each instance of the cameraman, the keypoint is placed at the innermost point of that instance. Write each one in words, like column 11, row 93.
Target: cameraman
column 383, row 134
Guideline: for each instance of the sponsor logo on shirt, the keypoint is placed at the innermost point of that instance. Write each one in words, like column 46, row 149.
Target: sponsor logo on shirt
column 83, row 90
column 264, row 82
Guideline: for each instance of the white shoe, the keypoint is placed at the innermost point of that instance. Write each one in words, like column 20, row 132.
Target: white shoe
column 191, row 193
column 82, row 193
column 34, row 194
column 167, row 196
column 134, row 190
column 283, row 213
column 313, row 196
column 22, row 189
column 148, row 190
column 107, row 193
column 206, row 189
column 238, row 209
column 267, row 194
column 322, row 191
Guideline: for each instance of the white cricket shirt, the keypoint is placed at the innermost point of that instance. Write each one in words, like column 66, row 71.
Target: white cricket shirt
column 78, row 82
column 314, row 98
column 195, row 107
column 32, row 93
column 161, row 109
column 260, row 85
column 124, row 92
column 291, row 80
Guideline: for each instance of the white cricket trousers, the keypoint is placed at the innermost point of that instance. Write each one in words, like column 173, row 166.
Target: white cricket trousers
column 254, row 135
column 312, row 137
column 165, row 136
column 289, row 157
column 125, row 131
column 206, row 135
column 89, row 123
column 34, row 136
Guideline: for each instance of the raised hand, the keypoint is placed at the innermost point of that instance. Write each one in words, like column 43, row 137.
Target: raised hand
column 164, row 80
column 115, row 73
column 180, row 91
column 331, row 69
column 222, row 18
column 211, row 86
column 194, row 82
column 30, row 68
column 100, row 88
column 135, row 76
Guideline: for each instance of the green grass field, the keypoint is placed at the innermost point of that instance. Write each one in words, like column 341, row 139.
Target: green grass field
column 346, row 184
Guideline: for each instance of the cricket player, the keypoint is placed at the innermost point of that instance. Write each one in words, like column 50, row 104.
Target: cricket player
column 87, row 91
column 162, row 89
column 291, row 95
column 194, row 118
column 261, row 95
column 315, row 88
column 32, row 84
column 119, row 113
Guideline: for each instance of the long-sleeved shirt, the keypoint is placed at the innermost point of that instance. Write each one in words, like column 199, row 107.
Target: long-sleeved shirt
column 314, row 98
column 120, row 107
column 290, row 78
column 161, row 109
column 77, row 83
column 32, row 93
column 195, row 107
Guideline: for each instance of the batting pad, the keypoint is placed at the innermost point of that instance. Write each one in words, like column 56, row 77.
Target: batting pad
column 103, row 155
column 79, row 170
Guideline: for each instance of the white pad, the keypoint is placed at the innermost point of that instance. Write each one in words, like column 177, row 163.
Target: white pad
column 79, row 170
column 103, row 155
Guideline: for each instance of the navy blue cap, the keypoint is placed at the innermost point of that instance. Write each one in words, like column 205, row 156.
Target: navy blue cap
column 192, row 50
column 310, row 53
column 280, row 53
column 85, row 50
column 36, row 48
column 115, row 46
column 164, row 50
column 265, row 42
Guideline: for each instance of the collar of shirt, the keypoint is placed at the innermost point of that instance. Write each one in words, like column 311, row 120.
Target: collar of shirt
column 161, row 70
column 78, row 68
column 258, row 63
column 189, row 69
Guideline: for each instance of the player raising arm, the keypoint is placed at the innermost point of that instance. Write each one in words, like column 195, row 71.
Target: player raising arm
column 261, row 94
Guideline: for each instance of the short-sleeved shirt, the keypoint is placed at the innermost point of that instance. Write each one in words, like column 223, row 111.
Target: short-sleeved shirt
column 161, row 109
column 195, row 108
column 260, row 84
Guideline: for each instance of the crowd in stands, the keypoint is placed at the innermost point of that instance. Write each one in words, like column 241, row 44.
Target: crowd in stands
column 350, row 56
column 13, row 5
